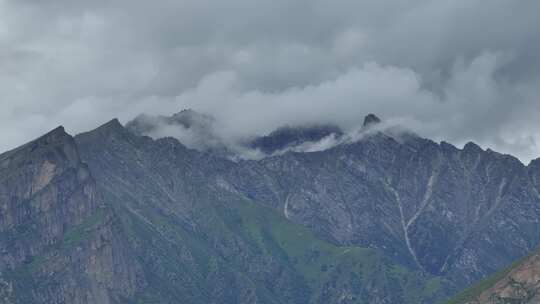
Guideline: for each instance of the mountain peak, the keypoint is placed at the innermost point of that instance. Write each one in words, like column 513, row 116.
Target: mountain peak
column 112, row 124
column 55, row 135
column 472, row 147
column 371, row 119
column 145, row 124
column 57, row 130
column 55, row 146
column 109, row 130
column 189, row 118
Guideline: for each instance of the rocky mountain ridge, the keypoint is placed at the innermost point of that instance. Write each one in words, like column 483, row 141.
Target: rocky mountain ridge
column 186, row 195
column 59, row 242
column 386, row 218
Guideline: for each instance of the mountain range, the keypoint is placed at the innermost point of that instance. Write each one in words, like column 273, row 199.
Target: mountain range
column 303, row 214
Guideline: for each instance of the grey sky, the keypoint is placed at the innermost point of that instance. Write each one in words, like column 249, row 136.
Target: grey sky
column 455, row 70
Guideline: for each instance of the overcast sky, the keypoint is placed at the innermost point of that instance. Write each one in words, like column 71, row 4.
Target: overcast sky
column 455, row 70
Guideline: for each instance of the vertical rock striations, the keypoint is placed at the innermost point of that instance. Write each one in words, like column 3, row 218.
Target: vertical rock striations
column 115, row 217
column 203, row 238
column 59, row 241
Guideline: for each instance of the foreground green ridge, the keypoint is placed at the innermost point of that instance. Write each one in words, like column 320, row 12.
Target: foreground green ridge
column 515, row 284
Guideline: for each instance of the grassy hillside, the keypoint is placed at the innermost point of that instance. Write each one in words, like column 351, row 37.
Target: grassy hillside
column 477, row 289
column 244, row 243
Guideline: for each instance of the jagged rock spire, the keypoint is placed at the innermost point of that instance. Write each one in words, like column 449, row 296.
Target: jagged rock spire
column 371, row 119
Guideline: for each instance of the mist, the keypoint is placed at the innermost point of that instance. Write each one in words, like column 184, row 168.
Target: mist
column 462, row 71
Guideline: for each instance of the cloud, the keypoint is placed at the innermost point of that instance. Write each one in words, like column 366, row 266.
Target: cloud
column 460, row 70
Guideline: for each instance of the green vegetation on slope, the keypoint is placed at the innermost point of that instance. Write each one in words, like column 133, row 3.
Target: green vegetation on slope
column 239, row 244
column 30, row 275
column 323, row 264
column 477, row 289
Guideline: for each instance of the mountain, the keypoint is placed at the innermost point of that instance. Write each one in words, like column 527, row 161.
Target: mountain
column 186, row 217
column 60, row 242
column 195, row 130
column 460, row 214
column 516, row 284
column 187, row 119
column 384, row 216
column 198, row 131
column 370, row 120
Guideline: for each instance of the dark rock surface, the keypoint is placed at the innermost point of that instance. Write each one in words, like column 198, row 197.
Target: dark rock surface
column 233, row 247
column 59, row 241
column 370, row 120
column 460, row 214
column 285, row 137
column 388, row 218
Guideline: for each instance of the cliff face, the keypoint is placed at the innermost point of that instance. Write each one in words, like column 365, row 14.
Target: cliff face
column 59, row 241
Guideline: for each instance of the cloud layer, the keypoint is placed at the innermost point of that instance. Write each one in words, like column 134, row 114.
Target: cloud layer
column 454, row 70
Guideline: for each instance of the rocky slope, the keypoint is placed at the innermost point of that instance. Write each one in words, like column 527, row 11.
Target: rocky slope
column 460, row 214
column 517, row 284
column 59, row 241
column 201, row 239
column 383, row 216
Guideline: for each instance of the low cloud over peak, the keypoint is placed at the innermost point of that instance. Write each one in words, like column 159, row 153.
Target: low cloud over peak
column 459, row 71
column 199, row 131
